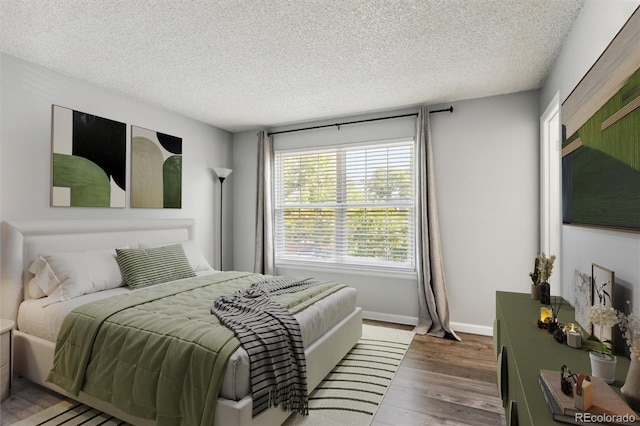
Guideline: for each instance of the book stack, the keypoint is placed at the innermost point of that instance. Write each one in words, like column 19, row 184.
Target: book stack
column 607, row 409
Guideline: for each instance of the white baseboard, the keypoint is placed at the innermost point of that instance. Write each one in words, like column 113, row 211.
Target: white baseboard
column 482, row 330
column 402, row 319
column 397, row 319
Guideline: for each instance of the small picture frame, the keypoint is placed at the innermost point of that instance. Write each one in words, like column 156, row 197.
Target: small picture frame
column 603, row 282
column 583, row 299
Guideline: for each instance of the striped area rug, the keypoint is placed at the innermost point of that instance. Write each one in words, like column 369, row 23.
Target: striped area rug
column 349, row 395
column 71, row 413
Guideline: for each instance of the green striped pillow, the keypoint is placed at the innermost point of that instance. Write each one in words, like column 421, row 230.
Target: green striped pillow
column 145, row 267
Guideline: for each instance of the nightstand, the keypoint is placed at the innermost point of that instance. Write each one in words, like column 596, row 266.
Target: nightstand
column 6, row 353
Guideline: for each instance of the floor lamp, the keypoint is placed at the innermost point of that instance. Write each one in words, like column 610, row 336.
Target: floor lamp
column 222, row 174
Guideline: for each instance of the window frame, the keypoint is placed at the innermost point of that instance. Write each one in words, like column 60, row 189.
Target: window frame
column 343, row 261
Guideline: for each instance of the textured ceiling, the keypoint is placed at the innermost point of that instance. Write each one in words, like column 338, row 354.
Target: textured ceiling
column 242, row 65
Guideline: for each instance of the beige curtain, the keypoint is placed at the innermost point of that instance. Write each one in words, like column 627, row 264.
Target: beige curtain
column 264, row 256
column 433, row 313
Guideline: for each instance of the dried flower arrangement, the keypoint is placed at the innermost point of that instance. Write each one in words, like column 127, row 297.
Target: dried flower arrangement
column 544, row 266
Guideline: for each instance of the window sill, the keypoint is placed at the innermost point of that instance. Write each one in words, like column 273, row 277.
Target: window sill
column 347, row 269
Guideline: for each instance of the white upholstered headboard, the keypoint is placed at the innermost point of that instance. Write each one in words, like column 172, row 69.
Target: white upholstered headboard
column 23, row 240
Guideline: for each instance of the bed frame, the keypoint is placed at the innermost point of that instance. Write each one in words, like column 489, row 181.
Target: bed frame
column 33, row 356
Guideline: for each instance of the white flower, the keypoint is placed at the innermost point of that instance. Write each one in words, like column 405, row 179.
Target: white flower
column 630, row 327
column 604, row 316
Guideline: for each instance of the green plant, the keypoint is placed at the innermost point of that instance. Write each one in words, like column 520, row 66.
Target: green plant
column 535, row 276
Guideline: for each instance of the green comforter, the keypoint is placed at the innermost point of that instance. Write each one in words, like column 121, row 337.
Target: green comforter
column 158, row 353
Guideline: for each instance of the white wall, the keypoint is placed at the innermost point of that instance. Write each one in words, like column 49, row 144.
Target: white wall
column 598, row 23
column 486, row 156
column 245, row 173
column 27, row 93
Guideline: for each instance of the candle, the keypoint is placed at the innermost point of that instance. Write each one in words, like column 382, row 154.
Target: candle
column 545, row 312
column 574, row 335
column 574, row 339
column 571, row 327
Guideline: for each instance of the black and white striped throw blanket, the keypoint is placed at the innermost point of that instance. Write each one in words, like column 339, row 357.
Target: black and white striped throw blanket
column 271, row 336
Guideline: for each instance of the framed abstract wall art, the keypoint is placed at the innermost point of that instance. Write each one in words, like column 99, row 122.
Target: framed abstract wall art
column 156, row 169
column 88, row 160
column 601, row 147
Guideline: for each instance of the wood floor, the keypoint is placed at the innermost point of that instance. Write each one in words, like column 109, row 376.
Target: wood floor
column 26, row 400
column 440, row 382
column 443, row 382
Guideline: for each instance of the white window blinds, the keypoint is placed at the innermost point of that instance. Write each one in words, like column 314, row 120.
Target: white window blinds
column 350, row 205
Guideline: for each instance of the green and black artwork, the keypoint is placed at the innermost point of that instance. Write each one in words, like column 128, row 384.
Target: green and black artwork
column 601, row 164
column 156, row 169
column 88, row 160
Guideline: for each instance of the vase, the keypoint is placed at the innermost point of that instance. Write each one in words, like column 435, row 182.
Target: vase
column 545, row 293
column 535, row 292
column 603, row 367
column 631, row 389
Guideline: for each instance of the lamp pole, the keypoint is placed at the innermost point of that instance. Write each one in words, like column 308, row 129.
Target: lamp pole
column 221, row 209
column 222, row 175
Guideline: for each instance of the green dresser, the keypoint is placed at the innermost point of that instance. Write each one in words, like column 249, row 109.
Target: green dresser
column 523, row 349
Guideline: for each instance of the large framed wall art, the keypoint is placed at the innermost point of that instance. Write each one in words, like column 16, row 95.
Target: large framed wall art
column 601, row 147
column 156, row 169
column 88, row 160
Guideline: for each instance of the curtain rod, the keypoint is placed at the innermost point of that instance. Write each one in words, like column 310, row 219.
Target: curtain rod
column 415, row 114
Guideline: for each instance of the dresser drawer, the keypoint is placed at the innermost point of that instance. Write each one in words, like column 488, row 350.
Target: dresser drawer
column 5, row 348
column 5, row 382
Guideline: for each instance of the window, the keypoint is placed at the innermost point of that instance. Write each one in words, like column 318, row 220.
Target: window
column 351, row 205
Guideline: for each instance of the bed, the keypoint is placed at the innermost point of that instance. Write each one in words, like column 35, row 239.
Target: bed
column 331, row 325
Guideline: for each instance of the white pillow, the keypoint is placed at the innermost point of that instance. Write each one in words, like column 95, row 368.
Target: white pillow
column 194, row 255
column 44, row 281
column 77, row 273
column 34, row 291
